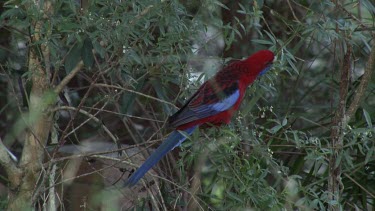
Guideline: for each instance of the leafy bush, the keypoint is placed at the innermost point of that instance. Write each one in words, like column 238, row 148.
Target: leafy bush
column 78, row 76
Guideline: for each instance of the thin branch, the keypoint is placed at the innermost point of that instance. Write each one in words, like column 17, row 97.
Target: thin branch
column 92, row 154
column 90, row 117
column 291, row 9
column 135, row 92
column 338, row 5
column 83, row 100
column 359, row 185
column 124, row 115
column 69, row 77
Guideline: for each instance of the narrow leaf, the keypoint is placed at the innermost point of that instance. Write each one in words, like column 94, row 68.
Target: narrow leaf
column 73, row 57
column 87, row 56
column 368, row 118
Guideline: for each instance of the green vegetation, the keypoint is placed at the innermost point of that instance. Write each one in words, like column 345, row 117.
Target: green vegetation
column 95, row 74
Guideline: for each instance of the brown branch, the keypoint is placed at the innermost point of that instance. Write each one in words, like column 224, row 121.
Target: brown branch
column 134, row 92
column 10, row 167
column 369, row 69
column 39, row 119
column 360, row 186
column 338, row 5
column 84, row 98
column 69, row 77
column 291, row 9
column 340, row 122
column 114, row 139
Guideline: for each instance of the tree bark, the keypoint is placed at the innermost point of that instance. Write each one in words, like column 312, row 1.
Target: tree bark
column 335, row 185
column 39, row 122
column 341, row 120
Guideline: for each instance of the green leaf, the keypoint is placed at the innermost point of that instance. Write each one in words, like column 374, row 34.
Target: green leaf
column 253, row 100
column 264, row 42
column 275, row 129
column 128, row 99
column 99, row 49
column 230, row 39
column 221, row 5
column 68, row 27
column 271, row 37
column 260, row 3
column 338, row 160
column 235, row 197
column 285, row 121
column 73, row 57
column 369, row 155
column 370, row 6
column 290, row 62
column 160, row 92
column 368, row 118
column 133, row 56
column 87, row 55
column 9, row 13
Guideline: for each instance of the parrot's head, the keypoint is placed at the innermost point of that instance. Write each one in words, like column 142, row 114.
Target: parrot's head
column 260, row 62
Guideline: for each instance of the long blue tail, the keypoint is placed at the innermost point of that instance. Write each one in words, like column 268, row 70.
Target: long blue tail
column 172, row 141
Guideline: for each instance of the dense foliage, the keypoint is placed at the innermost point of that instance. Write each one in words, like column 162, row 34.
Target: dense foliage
column 118, row 69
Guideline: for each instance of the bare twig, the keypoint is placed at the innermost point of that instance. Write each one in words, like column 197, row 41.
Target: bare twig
column 90, row 117
column 69, row 77
column 359, row 185
column 125, row 115
column 84, row 98
column 338, row 5
column 291, row 9
column 134, row 92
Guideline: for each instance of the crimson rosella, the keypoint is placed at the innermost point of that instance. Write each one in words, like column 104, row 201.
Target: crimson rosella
column 214, row 103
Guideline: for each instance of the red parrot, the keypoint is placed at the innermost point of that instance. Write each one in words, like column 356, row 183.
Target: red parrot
column 214, row 103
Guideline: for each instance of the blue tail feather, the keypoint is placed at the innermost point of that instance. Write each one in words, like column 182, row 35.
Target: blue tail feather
column 173, row 140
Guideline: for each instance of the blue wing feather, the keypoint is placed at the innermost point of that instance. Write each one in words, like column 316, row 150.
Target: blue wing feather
column 173, row 140
column 206, row 110
column 226, row 103
column 205, row 103
column 268, row 67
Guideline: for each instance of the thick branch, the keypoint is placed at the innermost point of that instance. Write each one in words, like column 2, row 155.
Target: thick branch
column 38, row 120
column 13, row 172
column 337, row 135
column 370, row 67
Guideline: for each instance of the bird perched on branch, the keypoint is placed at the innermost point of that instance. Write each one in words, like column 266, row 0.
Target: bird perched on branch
column 214, row 103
